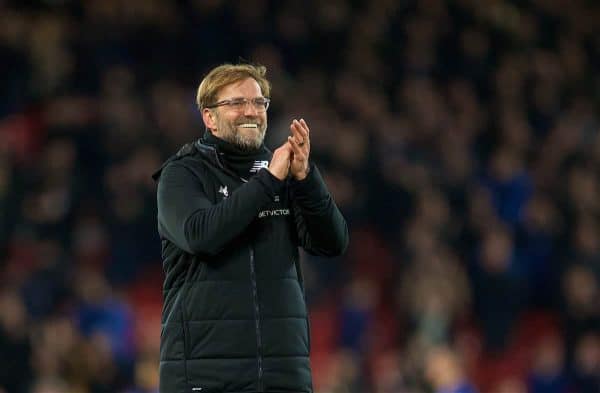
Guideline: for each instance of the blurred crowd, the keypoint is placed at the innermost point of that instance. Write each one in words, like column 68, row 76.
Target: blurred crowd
column 460, row 138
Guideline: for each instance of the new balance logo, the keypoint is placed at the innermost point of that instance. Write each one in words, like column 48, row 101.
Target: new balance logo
column 258, row 165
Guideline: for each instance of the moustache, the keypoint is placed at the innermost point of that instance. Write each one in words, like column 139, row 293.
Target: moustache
column 248, row 121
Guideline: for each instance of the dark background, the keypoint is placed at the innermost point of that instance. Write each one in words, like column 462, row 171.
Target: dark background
column 459, row 138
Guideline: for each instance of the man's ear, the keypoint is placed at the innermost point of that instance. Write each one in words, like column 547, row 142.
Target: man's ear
column 209, row 119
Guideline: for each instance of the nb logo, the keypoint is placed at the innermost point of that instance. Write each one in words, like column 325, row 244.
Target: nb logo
column 258, row 165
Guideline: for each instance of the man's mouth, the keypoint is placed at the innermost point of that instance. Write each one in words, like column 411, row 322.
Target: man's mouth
column 248, row 125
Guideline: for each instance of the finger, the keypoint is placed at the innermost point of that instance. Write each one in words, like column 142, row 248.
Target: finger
column 288, row 148
column 301, row 129
column 304, row 130
column 284, row 151
column 297, row 150
column 305, row 126
column 284, row 147
column 296, row 129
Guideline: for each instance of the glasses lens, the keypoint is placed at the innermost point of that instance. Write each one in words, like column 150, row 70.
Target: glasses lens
column 237, row 104
column 261, row 104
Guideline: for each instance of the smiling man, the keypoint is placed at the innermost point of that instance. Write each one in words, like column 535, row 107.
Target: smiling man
column 231, row 216
column 246, row 123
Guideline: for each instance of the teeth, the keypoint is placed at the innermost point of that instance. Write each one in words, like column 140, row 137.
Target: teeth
column 248, row 125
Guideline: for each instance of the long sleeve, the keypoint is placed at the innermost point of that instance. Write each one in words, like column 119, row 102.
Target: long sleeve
column 321, row 228
column 193, row 223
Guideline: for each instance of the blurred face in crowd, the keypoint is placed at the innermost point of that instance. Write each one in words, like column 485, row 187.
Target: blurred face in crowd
column 246, row 126
column 442, row 368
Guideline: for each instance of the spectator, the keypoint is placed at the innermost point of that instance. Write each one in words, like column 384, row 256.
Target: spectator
column 586, row 364
column 15, row 344
column 548, row 372
column 445, row 373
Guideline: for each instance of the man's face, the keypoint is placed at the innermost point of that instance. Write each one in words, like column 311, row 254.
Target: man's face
column 245, row 127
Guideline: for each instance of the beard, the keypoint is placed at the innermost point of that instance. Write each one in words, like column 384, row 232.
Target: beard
column 247, row 139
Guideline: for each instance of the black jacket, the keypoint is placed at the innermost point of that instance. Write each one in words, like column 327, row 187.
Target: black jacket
column 234, row 316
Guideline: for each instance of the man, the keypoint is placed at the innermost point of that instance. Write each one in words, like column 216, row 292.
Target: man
column 231, row 216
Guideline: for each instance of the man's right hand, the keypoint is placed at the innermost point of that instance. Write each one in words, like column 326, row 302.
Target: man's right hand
column 280, row 163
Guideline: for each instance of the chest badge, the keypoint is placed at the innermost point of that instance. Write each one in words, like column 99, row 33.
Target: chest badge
column 223, row 190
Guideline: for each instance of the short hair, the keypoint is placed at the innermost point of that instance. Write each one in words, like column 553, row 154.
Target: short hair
column 226, row 74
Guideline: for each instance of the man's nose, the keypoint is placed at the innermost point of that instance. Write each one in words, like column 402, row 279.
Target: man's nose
column 250, row 109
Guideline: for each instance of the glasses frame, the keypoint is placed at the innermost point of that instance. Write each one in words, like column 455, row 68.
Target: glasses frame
column 235, row 101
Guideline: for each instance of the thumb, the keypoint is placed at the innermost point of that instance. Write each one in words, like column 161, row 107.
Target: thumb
column 286, row 148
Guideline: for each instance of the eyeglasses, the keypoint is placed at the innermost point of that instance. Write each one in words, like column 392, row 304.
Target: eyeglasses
column 260, row 104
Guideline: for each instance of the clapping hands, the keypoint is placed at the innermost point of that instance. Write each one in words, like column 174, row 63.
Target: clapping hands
column 292, row 156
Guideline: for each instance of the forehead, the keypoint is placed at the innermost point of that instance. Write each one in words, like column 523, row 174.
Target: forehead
column 247, row 88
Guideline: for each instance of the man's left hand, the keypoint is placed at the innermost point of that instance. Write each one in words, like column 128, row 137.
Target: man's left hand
column 300, row 141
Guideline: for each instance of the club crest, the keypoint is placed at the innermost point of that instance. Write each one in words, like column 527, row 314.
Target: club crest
column 223, row 190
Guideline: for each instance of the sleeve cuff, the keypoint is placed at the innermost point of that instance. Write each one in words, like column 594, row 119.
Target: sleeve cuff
column 270, row 183
column 313, row 184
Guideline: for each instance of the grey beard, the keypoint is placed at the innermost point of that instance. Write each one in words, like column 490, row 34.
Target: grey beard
column 230, row 134
column 244, row 143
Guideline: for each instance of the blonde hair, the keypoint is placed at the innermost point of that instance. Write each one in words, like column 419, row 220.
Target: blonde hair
column 227, row 74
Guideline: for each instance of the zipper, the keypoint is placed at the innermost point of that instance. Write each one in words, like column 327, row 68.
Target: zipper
column 256, row 319
column 252, row 276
